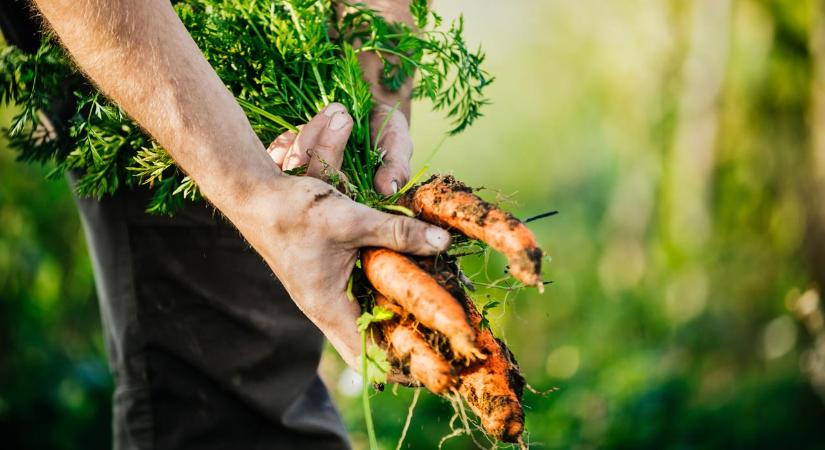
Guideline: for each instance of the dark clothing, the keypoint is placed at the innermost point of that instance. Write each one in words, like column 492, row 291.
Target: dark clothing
column 19, row 26
column 206, row 347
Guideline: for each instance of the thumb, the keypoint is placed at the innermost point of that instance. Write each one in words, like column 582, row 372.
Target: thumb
column 402, row 234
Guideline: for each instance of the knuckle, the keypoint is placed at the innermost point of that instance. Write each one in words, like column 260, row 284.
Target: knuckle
column 403, row 168
column 399, row 155
column 401, row 232
column 275, row 145
column 324, row 148
column 300, row 154
column 347, row 229
column 405, row 143
column 286, row 136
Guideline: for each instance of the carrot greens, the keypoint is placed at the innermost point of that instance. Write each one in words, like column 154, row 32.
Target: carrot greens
column 284, row 60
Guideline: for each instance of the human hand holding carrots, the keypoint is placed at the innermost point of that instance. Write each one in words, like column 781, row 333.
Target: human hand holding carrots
column 319, row 232
column 426, row 295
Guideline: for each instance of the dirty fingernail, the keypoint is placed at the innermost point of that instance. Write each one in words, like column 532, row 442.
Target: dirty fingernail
column 394, row 186
column 338, row 121
column 334, row 108
column 437, row 237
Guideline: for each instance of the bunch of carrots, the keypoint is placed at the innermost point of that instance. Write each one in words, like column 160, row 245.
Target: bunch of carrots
column 435, row 335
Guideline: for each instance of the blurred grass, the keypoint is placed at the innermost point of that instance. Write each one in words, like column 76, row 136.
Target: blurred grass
column 675, row 139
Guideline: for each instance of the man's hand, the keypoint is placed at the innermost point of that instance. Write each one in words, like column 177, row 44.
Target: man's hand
column 394, row 140
column 310, row 147
column 313, row 242
column 141, row 56
column 318, row 145
column 396, row 147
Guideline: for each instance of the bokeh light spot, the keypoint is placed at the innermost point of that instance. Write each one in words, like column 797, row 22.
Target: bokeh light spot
column 563, row 362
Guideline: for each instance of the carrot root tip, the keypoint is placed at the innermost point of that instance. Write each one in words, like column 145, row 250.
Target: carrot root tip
column 464, row 347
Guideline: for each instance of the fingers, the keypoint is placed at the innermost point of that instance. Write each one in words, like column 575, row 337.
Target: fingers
column 280, row 147
column 328, row 151
column 402, row 234
column 299, row 154
column 394, row 140
column 320, row 144
column 337, row 321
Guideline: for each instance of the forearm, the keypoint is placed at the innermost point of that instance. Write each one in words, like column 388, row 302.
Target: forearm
column 392, row 11
column 141, row 56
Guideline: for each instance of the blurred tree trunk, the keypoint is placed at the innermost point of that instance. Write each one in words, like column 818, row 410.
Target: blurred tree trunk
column 813, row 362
column 691, row 159
column 815, row 241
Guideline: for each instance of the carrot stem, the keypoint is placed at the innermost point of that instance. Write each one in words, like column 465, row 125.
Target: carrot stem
column 365, row 394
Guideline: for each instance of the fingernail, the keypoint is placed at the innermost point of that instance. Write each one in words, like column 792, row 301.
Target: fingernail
column 338, row 121
column 394, row 186
column 333, row 108
column 437, row 237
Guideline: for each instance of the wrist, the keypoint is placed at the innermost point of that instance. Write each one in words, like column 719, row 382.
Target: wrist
column 254, row 205
column 236, row 176
column 270, row 212
column 373, row 69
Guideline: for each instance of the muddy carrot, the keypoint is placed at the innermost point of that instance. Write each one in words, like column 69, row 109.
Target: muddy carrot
column 402, row 280
column 412, row 352
column 444, row 201
column 493, row 386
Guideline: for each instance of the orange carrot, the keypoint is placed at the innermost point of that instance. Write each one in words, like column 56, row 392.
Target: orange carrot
column 444, row 201
column 402, row 280
column 493, row 386
column 413, row 353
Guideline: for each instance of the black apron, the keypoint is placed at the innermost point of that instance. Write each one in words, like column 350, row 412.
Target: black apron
column 206, row 348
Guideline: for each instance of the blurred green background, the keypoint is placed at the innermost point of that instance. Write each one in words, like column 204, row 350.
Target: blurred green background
column 683, row 144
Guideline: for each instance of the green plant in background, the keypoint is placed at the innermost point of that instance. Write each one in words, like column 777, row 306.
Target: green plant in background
column 55, row 387
column 651, row 346
column 283, row 60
